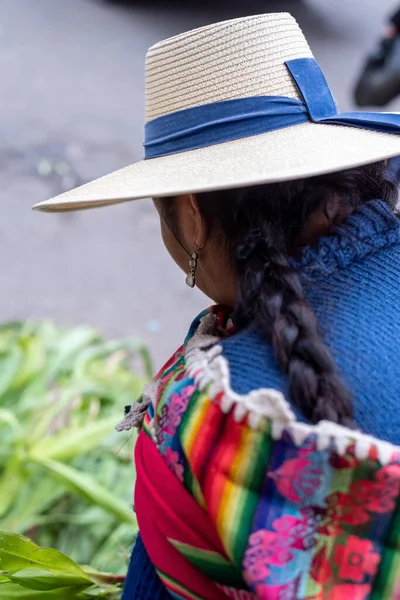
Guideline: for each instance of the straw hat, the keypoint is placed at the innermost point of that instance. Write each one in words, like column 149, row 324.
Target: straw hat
column 206, row 126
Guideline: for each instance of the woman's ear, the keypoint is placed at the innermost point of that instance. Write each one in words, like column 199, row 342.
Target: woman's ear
column 191, row 224
column 200, row 226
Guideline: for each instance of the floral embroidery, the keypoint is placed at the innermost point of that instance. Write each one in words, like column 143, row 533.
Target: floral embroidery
column 356, row 559
column 297, row 478
column 175, row 409
column 171, row 414
column 236, row 594
column 321, row 570
column 172, row 458
column 270, row 548
column 256, row 571
column 299, row 533
column 370, row 496
column 334, row 514
column 343, row 570
column 285, row 591
column 364, row 497
column 390, row 475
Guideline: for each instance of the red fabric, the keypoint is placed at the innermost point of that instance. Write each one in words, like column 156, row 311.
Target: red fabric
column 165, row 510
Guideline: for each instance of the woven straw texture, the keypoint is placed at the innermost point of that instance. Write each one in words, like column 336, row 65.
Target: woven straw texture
column 234, row 59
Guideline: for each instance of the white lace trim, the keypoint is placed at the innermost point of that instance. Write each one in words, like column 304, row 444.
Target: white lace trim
column 210, row 371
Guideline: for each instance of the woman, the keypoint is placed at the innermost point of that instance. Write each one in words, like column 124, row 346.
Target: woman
column 267, row 463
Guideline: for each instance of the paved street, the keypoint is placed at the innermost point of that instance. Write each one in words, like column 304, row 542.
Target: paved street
column 71, row 109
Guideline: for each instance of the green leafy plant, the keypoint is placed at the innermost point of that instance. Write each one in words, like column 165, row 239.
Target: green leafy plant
column 33, row 573
column 66, row 477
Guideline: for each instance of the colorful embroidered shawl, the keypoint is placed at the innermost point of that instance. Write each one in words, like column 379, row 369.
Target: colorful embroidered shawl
column 234, row 498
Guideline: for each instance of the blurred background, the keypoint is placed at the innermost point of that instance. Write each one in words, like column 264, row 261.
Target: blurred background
column 72, row 109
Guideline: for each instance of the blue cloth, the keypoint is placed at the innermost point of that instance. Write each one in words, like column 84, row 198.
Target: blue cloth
column 224, row 121
column 142, row 582
column 352, row 281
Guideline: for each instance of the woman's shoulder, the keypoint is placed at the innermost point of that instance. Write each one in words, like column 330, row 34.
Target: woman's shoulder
column 232, row 372
column 217, row 373
column 240, row 363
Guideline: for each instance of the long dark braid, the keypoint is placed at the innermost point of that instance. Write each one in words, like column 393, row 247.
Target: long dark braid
column 270, row 296
column 260, row 226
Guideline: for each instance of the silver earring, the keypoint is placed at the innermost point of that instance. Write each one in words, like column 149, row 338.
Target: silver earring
column 191, row 276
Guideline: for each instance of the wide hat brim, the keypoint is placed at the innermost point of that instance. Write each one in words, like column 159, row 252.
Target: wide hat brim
column 291, row 153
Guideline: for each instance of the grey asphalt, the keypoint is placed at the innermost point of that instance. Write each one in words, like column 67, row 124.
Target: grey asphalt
column 71, row 109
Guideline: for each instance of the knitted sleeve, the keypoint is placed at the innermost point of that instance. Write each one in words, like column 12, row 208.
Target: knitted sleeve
column 142, row 581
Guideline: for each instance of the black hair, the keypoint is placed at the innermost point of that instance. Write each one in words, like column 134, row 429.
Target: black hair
column 260, row 226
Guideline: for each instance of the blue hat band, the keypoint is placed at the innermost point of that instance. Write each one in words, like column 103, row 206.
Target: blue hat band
column 219, row 122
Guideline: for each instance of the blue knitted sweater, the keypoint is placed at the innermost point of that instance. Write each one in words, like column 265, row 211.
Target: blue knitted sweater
column 352, row 281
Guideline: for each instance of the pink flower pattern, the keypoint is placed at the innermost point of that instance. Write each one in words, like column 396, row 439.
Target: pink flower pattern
column 348, row 568
column 356, row 559
column 172, row 458
column 297, row 478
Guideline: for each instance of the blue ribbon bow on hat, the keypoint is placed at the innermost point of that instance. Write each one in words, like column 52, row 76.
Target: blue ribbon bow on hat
column 219, row 122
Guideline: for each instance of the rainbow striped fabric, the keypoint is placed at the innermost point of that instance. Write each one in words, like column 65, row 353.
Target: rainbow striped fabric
column 237, row 499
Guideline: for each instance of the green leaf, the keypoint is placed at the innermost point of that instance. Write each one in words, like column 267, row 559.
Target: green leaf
column 114, row 553
column 18, row 552
column 84, row 485
column 10, row 363
column 70, row 344
column 44, row 416
column 11, row 481
column 12, row 591
column 68, row 444
column 41, row 579
column 108, row 593
column 35, row 495
column 34, row 356
column 6, row 416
